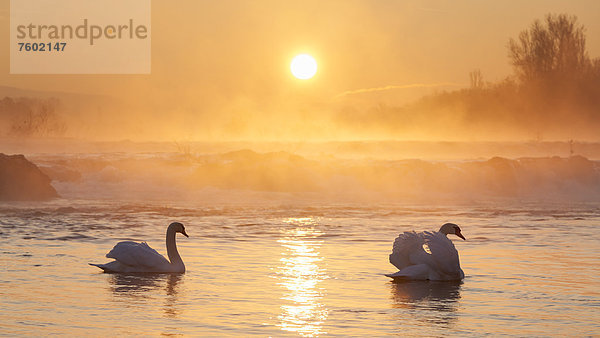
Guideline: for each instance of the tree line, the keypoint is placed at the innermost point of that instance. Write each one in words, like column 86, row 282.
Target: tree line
column 555, row 83
column 26, row 117
column 554, row 92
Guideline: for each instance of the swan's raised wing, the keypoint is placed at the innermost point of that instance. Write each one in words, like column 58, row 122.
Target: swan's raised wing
column 443, row 253
column 137, row 254
column 408, row 250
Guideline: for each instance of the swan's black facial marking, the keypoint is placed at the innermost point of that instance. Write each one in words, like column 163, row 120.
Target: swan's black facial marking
column 457, row 232
column 179, row 228
column 183, row 231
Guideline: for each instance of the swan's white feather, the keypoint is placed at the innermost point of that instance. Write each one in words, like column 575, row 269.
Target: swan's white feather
column 444, row 254
column 139, row 257
column 418, row 271
column 137, row 254
column 413, row 262
column 408, row 250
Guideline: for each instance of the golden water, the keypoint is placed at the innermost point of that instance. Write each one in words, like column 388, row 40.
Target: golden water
column 312, row 270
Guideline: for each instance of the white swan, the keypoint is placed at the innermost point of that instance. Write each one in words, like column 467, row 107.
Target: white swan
column 427, row 255
column 139, row 257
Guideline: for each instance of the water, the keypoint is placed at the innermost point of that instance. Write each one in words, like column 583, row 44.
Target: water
column 308, row 269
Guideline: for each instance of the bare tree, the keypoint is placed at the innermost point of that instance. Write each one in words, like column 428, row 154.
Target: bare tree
column 554, row 48
column 476, row 79
column 27, row 117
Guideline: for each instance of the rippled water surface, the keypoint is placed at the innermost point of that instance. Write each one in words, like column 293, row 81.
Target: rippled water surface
column 309, row 270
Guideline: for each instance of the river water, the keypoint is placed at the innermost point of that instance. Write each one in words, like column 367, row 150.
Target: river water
column 298, row 269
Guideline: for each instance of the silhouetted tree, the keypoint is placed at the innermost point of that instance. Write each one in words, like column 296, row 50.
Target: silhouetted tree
column 550, row 50
column 31, row 117
column 476, row 79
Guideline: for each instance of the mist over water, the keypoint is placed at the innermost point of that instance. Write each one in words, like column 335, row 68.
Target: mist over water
column 293, row 191
column 362, row 175
column 296, row 242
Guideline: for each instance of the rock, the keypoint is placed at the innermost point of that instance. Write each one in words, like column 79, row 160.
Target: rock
column 21, row 180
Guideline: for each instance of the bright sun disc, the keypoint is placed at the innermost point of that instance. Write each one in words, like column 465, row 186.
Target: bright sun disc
column 303, row 66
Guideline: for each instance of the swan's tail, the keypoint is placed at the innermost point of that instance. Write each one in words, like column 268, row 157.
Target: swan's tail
column 101, row 266
column 394, row 275
column 418, row 271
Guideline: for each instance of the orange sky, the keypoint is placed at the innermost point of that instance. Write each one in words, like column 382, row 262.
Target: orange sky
column 231, row 58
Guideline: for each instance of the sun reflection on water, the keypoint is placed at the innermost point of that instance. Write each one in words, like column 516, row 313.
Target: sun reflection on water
column 300, row 273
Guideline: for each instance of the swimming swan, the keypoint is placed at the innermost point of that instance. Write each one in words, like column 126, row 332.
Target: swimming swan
column 427, row 255
column 139, row 257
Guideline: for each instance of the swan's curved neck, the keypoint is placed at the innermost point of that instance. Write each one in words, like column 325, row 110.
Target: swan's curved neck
column 172, row 252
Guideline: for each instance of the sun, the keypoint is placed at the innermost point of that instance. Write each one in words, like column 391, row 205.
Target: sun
column 303, row 66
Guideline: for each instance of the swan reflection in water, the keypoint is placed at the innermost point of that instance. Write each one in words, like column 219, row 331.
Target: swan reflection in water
column 429, row 301
column 146, row 287
column 300, row 275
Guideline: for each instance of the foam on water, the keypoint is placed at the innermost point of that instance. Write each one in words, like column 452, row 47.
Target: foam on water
column 244, row 175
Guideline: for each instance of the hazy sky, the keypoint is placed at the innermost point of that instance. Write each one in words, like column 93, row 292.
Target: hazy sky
column 231, row 58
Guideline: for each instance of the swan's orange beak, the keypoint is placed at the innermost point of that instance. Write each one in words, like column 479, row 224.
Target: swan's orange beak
column 457, row 233
column 186, row 235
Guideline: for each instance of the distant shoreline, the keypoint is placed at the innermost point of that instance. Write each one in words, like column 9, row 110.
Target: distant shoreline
column 376, row 150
